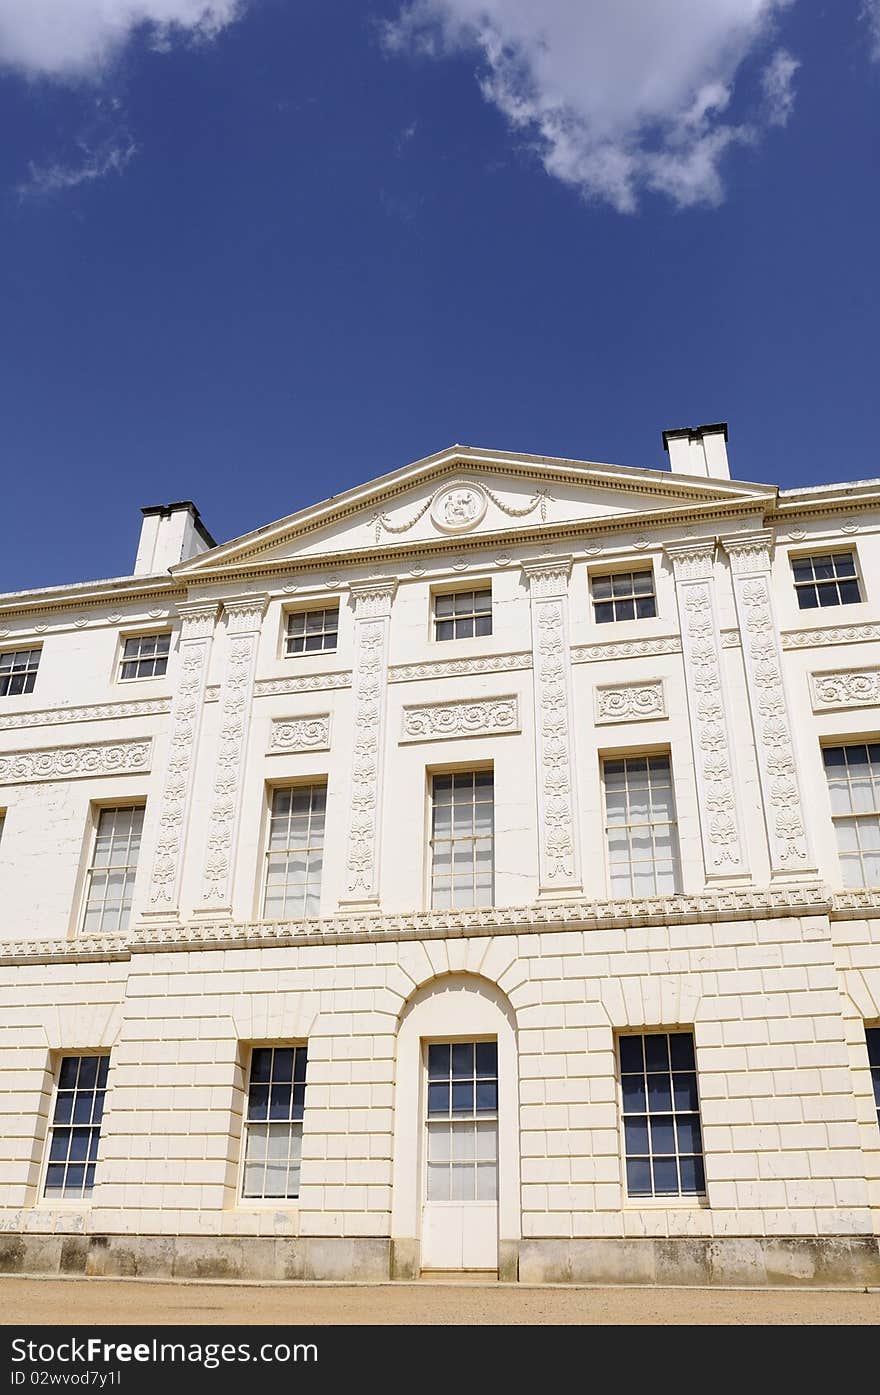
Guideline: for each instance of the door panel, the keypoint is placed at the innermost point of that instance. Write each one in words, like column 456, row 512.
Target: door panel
column 460, row 1211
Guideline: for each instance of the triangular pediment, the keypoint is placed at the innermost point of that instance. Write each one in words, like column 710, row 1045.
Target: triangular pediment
column 466, row 494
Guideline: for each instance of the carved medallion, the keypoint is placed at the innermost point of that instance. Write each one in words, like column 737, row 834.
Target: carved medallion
column 459, row 508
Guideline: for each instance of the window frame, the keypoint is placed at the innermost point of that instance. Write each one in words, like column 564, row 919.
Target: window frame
column 247, row 1049
column 835, row 743
column 96, row 809
column 31, row 649
column 486, row 767
column 640, row 753
column 308, row 607
column 457, row 1039
column 142, row 632
column 874, row 1070
column 670, row 1200
column 472, row 587
column 56, row 1058
column 271, row 789
column 631, row 568
column 831, row 550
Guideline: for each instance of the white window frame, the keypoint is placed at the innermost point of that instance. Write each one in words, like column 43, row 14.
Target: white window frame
column 484, row 768
column 318, row 781
column 125, row 637
column 625, row 756
column 470, row 588
column 27, row 670
column 855, row 819
column 829, row 550
column 55, row 1061
column 263, row 1202
column 629, row 569
column 96, row 811
column 494, row 1117
column 665, row 1200
column 315, row 605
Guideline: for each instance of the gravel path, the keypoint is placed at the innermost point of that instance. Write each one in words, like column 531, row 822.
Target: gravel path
column 77, row 1301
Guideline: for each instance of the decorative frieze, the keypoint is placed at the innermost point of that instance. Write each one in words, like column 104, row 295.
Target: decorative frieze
column 76, row 762
column 481, row 717
column 854, row 687
column 197, row 631
column 293, row 735
column 306, row 683
column 720, row 820
column 243, row 620
column 829, row 634
column 557, row 820
column 627, row 649
column 459, row 506
column 372, row 611
column 629, row 702
column 459, row 668
column 771, row 719
column 99, row 712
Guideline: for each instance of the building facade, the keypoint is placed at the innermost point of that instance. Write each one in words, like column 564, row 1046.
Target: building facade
column 479, row 870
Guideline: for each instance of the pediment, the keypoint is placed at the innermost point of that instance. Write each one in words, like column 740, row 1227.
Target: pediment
column 467, row 494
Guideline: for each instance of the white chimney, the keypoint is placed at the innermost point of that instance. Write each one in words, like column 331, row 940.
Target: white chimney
column 698, row 450
column 170, row 533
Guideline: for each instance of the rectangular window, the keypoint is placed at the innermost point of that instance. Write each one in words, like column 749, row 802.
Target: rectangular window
column 110, row 877
column 312, row 631
column 462, row 839
column 640, row 830
column 18, row 671
column 827, row 579
column 2, row 823
column 661, row 1115
column 76, row 1127
column 462, row 1117
column 463, row 614
column 624, row 596
column 274, row 1123
column 872, row 1036
column 853, row 774
column 295, row 855
column 145, row 656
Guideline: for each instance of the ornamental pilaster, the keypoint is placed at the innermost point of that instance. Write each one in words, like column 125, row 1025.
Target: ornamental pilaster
column 721, row 826
column 790, row 853
column 372, row 616
column 243, row 621
column 198, row 619
column 559, row 863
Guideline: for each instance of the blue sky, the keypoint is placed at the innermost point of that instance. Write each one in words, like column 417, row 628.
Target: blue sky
column 264, row 253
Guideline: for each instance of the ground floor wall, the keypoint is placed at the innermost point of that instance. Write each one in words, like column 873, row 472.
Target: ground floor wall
column 777, row 1007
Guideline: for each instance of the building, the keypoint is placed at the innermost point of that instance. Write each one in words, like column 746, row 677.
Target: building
column 477, row 870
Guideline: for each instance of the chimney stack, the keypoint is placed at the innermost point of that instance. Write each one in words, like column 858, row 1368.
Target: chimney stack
column 698, row 450
column 170, row 533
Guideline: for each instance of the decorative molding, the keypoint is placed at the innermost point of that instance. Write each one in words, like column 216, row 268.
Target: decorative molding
column 372, row 598
column 293, row 735
column 481, row 717
column 829, row 634
column 628, row 649
column 372, row 603
column 243, row 621
column 720, row 819
column 457, row 506
column 75, row 762
column 197, row 630
column 853, row 687
column 557, row 818
column 458, row 668
column 101, row 712
column 771, row 719
column 629, row 702
column 308, row 683
column 730, row 639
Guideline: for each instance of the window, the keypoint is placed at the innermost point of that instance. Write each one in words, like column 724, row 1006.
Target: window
column 463, row 1121
column 2, row 823
column 76, row 1127
column 312, row 631
column 295, row 855
column 623, row 596
column 829, row 579
column 872, row 1036
column 145, row 656
column 18, row 671
column 274, row 1123
column 463, row 614
column 854, row 787
column 640, row 828
column 661, row 1115
column 110, row 877
column 462, row 839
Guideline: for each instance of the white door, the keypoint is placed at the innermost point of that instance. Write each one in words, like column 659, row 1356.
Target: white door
column 460, row 1215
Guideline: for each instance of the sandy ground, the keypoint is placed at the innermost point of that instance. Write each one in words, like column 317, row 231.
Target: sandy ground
column 77, row 1301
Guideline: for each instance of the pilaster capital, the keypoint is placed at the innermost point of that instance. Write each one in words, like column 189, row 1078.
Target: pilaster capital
column 548, row 577
column 372, row 597
column 749, row 552
column 691, row 560
column 197, row 618
column 244, row 613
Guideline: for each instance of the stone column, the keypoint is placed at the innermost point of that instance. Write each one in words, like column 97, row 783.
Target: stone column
column 559, row 863
column 196, row 636
column 790, row 853
column 243, row 620
column 372, row 617
column 724, row 851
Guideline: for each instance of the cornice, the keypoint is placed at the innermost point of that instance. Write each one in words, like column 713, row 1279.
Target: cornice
column 99, row 712
column 52, row 599
column 577, row 913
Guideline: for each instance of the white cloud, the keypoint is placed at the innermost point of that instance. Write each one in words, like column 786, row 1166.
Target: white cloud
column 871, row 16
column 73, row 39
column 111, row 158
column 618, row 96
